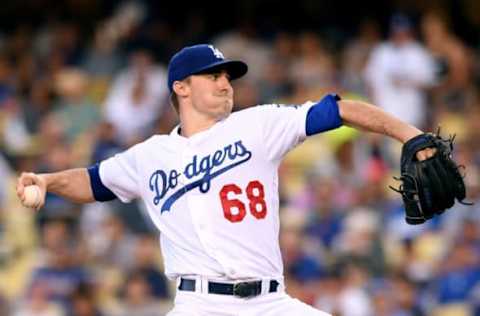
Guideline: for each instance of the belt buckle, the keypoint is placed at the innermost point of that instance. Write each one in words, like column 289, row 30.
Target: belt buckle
column 243, row 290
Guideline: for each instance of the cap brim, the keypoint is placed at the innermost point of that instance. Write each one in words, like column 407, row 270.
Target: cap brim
column 235, row 68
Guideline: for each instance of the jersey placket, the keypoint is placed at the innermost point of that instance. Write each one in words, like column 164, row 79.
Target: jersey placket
column 199, row 208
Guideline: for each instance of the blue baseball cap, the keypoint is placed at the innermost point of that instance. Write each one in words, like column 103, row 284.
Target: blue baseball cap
column 200, row 59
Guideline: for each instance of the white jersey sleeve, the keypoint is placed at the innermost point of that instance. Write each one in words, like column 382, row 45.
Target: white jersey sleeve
column 119, row 174
column 282, row 127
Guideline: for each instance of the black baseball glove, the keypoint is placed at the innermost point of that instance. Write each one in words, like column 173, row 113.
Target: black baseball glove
column 430, row 186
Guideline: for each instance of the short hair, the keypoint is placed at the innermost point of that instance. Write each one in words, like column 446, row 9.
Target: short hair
column 174, row 101
column 174, row 97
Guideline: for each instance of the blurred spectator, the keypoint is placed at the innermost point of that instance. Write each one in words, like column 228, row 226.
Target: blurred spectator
column 275, row 83
column 138, row 298
column 328, row 292
column 37, row 105
column 470, row 235
column 77, row 114
column 314, row 67
column 13, row 131
column 355, row 56
column 458, row 275
column 300, row 266
column 37, row 302
column 406, row 297
column 346, row 166
column 398, row 71
column 83, row 302
column 66, row 44
column 26, row 71
column 114, row 244
column 146, row 256
column 137, row 98
column 382, row 299
column 59, row 275
column 14, row 136
column 106, row 144
column 54, row 234
column 51, row 131
column 359, row 241
column 353, row 299
column 284, row 46
column 325, row 219
column 453, row 60
column 103, row 59
column 244, row 44
column 422, row 255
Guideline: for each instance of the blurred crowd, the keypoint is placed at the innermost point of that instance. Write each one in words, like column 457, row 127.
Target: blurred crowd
column 71, row 99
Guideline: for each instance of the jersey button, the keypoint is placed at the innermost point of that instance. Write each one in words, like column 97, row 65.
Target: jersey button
column 232, row 271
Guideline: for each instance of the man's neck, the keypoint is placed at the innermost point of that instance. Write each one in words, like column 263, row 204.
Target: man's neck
column 193, row 124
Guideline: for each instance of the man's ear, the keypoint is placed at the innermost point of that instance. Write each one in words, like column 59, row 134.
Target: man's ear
column 180, row 88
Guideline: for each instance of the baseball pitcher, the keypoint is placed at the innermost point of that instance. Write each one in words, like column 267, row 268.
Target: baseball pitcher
column 211, row 185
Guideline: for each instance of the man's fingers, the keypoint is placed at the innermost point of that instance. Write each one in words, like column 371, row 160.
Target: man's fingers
column 25, row 179
column 19, row 188
column 40, row 205
column 429, row 152
column 426, row 153
column 28, row 178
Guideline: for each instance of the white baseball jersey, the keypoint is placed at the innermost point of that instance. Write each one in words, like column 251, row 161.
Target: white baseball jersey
column 214, row 195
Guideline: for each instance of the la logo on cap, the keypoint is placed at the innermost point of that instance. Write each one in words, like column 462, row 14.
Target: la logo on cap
column 216, row 52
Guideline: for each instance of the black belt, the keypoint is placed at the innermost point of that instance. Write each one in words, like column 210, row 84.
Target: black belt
column 242, row 289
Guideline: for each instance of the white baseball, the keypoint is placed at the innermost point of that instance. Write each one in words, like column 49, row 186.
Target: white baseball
column 33, row 196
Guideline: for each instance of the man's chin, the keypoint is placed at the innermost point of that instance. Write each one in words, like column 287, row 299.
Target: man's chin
column 224, row 112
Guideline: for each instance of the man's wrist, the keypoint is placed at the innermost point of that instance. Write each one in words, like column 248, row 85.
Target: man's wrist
column 411, row 133
column 45, row 179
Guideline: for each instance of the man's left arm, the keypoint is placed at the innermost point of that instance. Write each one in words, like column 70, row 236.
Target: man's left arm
column 430, row 180
column 371, row 118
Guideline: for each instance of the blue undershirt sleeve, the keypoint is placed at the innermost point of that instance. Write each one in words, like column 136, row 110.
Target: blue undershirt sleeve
column 100, row 192
column 323, row 116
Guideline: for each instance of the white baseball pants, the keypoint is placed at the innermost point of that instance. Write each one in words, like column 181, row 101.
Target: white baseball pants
column 200, row 303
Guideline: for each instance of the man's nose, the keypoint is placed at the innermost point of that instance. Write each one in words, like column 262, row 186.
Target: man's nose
column 224, row 82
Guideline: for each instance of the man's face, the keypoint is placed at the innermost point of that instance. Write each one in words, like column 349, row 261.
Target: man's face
column 212, row 94
column 401, row 37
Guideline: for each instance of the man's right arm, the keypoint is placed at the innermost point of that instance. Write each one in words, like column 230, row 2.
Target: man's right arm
column 72, row 184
